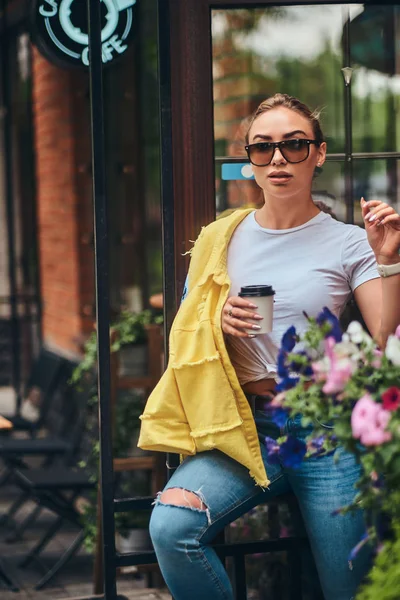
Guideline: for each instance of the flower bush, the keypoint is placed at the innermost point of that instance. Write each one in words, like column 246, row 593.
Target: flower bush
column 346, row 381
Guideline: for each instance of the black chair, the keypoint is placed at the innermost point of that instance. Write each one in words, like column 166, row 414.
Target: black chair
column 64, row 428
column 47, row 372
column 45, row 375
column 57, row 487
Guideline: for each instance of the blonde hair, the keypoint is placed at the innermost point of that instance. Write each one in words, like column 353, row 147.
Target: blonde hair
column 291, row 103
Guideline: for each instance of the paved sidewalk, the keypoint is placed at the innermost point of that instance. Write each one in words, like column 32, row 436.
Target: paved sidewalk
column 144, row 594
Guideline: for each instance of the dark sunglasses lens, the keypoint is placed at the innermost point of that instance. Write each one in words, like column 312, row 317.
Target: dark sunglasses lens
column 295, row 150
column 261, row 154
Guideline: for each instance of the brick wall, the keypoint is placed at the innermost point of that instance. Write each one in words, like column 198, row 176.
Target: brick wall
column 64, row 209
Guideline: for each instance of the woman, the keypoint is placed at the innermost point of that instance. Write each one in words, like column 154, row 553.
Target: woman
column 201, row 406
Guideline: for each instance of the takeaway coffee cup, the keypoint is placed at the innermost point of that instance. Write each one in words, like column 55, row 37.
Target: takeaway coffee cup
column 263, row 297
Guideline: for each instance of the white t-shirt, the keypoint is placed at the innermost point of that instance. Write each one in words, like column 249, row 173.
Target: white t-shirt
column 317, row 264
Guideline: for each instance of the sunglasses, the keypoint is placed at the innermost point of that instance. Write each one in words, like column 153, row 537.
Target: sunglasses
column 293, row 151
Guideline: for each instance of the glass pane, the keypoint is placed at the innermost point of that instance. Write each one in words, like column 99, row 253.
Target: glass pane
column 258, row 52
column 376, row 180
column 328, row 189
column 235, row 190
column 374, row 31
column 133, row 175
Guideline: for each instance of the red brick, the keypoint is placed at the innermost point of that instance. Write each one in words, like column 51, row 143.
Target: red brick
column 62, row 141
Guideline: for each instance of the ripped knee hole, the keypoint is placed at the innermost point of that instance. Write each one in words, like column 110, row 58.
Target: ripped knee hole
column 181, row 497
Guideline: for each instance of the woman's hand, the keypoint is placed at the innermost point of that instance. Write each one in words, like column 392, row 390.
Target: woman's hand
column 235, row 309
column 382, row 224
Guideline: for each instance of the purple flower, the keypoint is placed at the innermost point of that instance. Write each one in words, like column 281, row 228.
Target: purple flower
column 316, row 445
column 278, row 415
column 283, row 371
column 272, row 450
column 286, row 383
column 288, row 342
column 299, row 367
column 326, row 316
column 358, row 547
column 289, row 339
column 292, row 452
column 318, row 442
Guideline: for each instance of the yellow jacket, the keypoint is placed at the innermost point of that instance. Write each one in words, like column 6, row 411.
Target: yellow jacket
column 198, row 403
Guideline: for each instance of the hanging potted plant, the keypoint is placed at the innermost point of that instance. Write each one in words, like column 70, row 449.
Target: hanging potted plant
column 129, row 338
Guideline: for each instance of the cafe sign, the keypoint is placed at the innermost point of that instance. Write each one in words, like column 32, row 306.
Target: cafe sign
column 61, row 30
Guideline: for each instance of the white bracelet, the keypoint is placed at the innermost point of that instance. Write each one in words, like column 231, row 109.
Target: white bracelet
column 388, row 270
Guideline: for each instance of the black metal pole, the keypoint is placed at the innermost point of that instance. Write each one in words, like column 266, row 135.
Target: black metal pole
column 6, row 105
column 167, row 181
column 35, row 231
column 348, row 122
column 101, row 247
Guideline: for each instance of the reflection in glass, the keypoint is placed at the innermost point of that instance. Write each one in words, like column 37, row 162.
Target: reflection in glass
column 376, row 80
column 237, row 194
column 376, row 180
column 295, row 50
column 300, row 50
column 328, row 188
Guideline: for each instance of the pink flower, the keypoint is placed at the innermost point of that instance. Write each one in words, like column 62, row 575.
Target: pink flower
column 320, row 369
column 383, row 418
column 338, row 376
column 369, row 421
column 375, row 437
column 377, row 360
column 397, row 332
column 341, row 369
column 364, row 412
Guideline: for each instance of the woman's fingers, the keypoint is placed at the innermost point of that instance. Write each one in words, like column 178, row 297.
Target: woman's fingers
column 235, row 312
column 393, row 219
column 364, row 208
column 376, row 212
column 228, row 329
column 383, row 216
column 237, row 309
column 375, row 217
column 234, row 301
column 238, row 323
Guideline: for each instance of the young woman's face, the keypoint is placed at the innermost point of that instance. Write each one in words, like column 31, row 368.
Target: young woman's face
column 282, row 178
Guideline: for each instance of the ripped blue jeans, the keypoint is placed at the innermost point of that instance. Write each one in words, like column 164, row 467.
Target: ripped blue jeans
column 182, row 535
